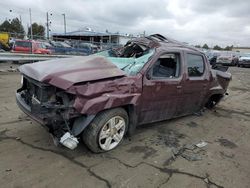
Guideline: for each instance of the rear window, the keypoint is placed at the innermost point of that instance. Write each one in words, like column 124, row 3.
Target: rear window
column 195, row 65
column 23, row 44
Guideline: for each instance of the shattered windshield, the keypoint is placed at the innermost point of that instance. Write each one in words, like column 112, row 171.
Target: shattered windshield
column 130, row 58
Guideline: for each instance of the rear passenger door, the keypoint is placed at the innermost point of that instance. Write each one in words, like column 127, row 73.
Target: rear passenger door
column 196, row 83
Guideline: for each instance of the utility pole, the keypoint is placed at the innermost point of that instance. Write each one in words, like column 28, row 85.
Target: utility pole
column 64, row 19
column 20, row 17
column 47, row 24
column 31, row 32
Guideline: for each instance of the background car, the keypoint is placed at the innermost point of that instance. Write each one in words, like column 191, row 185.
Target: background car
column 244, row 60
column 48, row 46
column 64, row 48
column 87, row 47
column 30, row 46
column 212, row 57
column 228, row 58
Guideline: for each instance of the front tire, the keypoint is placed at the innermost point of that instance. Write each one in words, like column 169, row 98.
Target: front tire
column 106, row 131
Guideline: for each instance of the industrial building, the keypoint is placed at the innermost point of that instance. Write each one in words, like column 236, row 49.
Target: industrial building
column 91, row 36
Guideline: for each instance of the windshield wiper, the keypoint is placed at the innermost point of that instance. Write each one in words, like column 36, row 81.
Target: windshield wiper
column 129, row 65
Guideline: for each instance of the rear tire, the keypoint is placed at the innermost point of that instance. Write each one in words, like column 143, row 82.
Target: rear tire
column 213, row 101
column 106, row 131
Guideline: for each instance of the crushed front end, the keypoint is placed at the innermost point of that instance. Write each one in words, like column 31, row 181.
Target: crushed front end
column 50, row 106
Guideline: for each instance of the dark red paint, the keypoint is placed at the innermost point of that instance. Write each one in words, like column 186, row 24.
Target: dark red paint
column 97, row 84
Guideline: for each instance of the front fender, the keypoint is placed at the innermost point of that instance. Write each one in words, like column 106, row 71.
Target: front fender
column 105, row 101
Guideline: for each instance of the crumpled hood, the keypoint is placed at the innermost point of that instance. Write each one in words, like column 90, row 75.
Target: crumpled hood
column 65, row 72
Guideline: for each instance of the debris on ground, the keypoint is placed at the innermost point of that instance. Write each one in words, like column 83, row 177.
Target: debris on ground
column 227, row 143
column 175, row 151
column 206, row 180
column 189, row 146
column 191, row 156
column 201, row 144
column 191, row 152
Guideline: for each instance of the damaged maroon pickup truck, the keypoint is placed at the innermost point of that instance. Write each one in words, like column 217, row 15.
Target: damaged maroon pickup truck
column 102, row 97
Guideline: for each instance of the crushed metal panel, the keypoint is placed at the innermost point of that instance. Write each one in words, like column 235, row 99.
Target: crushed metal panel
column 108, row 94
column 63, row 73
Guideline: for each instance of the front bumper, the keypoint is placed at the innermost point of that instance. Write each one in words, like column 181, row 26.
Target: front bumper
column 51, row 108
column 66, row 139
column 50, row 118
column 27, row 110
column 53, row 122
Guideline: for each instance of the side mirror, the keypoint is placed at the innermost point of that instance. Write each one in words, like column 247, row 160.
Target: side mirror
column 148, row 75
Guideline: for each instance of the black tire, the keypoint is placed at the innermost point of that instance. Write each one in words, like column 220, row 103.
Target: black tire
column 90, row 136
column 213, row 101
column 210, row 104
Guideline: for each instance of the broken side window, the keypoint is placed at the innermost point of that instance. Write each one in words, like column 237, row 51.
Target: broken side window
column 167, row 66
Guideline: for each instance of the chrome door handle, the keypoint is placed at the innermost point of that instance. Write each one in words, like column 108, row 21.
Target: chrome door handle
column 178, row 87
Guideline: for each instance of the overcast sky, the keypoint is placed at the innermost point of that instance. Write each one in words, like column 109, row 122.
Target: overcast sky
column 194, row 21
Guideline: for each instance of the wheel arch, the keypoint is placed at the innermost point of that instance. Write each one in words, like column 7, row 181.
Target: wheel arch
column 213, row 100
column 133, row 118
column 83, row 121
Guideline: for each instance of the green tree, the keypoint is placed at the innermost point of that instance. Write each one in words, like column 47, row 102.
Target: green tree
column 38, row 31
column 205, row 46
column 216, row 47
column 197, row 46
column 14, row 27
column 229, row 48
column 5, row 26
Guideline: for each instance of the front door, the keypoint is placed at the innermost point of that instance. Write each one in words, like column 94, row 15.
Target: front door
column 162, row 88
